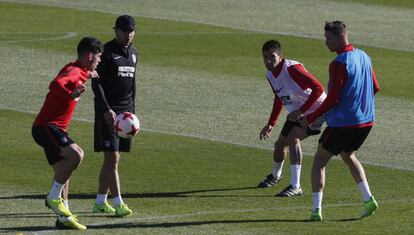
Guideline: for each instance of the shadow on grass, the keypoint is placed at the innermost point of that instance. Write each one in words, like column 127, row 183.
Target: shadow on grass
column 144, row 195
column 191, row 223
column 153, row 225
column 27, row 229
column 28, row 215
column 345, row 220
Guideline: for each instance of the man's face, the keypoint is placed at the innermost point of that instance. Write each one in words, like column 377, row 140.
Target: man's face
column 93, row 61
column 124, row 38
column 333, row 42
column 271, row 59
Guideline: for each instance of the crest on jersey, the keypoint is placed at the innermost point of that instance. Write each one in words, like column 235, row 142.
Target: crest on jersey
column 64, row 140
column 134, row 58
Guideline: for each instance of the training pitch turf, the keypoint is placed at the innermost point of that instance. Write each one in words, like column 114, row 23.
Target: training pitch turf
column 202, row 100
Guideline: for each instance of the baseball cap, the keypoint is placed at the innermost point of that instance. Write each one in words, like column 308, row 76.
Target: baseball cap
column 125, row 23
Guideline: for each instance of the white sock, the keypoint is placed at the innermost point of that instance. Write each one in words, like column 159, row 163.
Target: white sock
column 317, row 200
column 55, row 191
column 117, row 201
column 101, row 198
column 364, row 188
column 277, row 169
column 295, row 175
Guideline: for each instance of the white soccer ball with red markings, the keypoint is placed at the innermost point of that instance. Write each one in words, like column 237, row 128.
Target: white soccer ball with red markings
column 126, row 125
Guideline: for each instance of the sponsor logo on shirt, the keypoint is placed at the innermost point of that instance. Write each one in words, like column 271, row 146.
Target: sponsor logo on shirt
column 64, row 140
column 126, row 71
column 278, row 90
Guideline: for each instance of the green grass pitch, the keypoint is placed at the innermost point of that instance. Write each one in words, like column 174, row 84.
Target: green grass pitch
column 202, row 100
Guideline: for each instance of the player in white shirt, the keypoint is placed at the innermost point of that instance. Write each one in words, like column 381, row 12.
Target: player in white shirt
column 300, row 93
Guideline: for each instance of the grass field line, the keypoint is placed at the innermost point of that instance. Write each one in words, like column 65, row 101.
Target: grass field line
column 150, row 130
column 188, row 215
column 66, row 36
column 261, row 27
column 305, row 153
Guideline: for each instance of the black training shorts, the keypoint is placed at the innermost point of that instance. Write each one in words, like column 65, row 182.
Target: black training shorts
column 314, row 129
column 337, row 140
column 106, row 139
column 52, row 139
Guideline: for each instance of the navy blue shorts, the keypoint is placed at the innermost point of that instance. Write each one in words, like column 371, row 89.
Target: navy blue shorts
column 52, row 139
column 106, row 139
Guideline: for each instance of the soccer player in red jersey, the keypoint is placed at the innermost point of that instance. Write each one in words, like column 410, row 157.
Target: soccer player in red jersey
column 300, row 93
column 50, row 127
column 349, row 113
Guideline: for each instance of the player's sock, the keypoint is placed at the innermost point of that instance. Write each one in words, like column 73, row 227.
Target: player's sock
column 101, row 198
column 117, row 201
column 317, row 200
column 295, row 175
column 364, row 188
column 277, row 169
column 55, row 191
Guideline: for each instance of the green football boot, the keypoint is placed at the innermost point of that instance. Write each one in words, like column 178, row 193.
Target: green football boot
column 369, row 207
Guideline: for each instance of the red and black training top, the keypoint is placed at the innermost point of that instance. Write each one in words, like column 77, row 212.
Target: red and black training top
column 59, row 106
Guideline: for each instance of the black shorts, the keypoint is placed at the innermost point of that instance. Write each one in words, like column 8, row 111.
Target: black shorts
column 52, row 139
column 106, row 139
column 337, row 140
column 315, row 129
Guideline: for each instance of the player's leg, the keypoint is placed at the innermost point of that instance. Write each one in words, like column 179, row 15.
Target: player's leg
column 65, row 194
column 121, row 209
column 62, row 153
column 72, row 155
column 357, row 137
column 106, row 140
column 320, row 160
column 110, row 179
column 279, row 154
column 294, row 138
column 109, row 174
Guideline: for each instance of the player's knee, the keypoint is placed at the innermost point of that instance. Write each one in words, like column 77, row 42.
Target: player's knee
column 294, row 141
column 77, row 157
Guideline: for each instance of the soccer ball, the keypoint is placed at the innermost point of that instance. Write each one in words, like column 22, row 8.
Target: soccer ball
column 126, row 125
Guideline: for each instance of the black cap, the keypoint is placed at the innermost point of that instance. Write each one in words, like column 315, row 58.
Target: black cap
column 125, row 23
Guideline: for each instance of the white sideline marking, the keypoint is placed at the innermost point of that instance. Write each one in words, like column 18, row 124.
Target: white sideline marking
column 67, row 35
column 161, row 217
column 209, row 139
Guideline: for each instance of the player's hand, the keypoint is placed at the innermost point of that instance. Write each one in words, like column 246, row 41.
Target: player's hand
column 304, row 123
column 295, row 115
column 78, row 91
column 265, row 133
column 93, row 74
column 109, row 117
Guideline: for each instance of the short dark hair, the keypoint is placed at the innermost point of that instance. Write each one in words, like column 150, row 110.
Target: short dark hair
column 272, row 45
column 337, row 28
column 90, row 44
